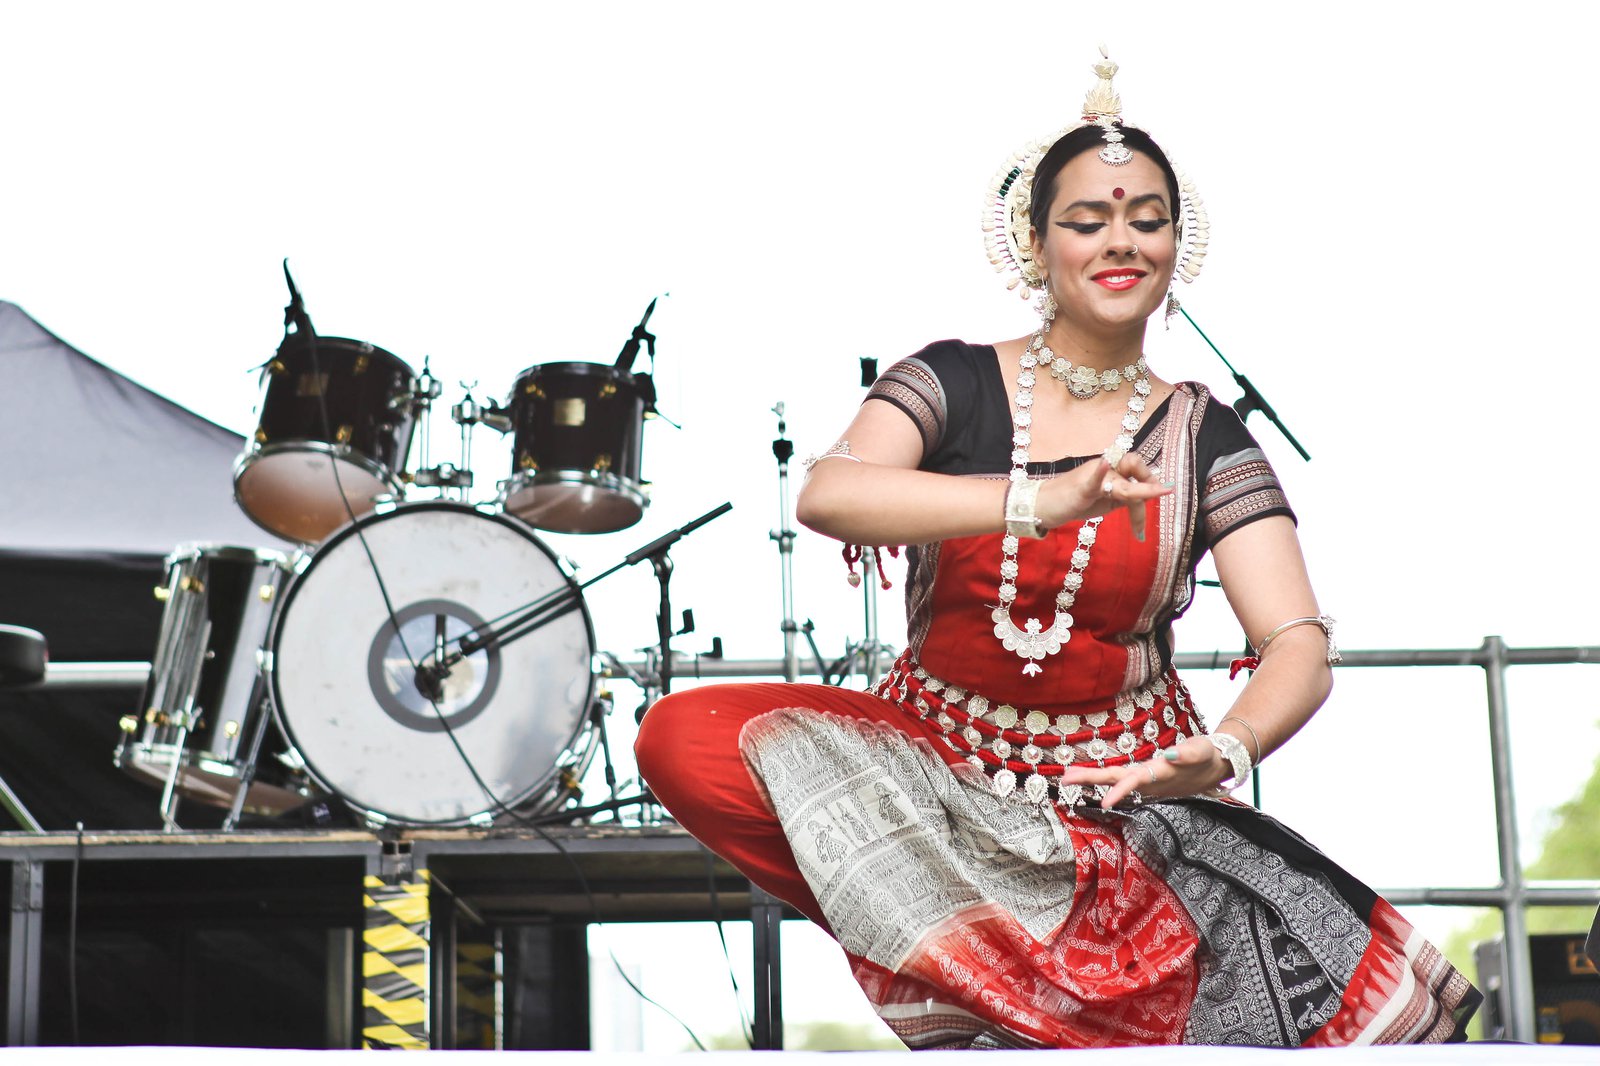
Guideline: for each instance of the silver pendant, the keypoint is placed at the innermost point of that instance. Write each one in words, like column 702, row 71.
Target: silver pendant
column 1033, row 641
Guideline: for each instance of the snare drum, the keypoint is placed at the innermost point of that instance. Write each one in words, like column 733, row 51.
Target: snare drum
column 345, row 691
column 205, row 697
column 341, row 420
column 575, row 461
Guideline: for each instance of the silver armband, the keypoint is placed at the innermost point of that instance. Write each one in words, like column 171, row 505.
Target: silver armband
column 1021, row 521
column 1233, row 750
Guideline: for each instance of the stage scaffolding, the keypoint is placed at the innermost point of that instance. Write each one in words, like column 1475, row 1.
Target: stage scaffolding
column 1512, row 895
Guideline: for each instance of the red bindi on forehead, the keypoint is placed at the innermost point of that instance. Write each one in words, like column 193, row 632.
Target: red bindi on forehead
column 1117, row 193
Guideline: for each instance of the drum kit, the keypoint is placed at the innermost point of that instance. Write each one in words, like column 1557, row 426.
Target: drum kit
column 382, row 663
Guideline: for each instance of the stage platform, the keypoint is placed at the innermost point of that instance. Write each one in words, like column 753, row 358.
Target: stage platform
column 1450, row 1055
column 409, row 935
column 449, row 939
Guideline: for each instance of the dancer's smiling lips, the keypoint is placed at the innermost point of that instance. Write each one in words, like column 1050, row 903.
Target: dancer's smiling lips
column 1118, row 279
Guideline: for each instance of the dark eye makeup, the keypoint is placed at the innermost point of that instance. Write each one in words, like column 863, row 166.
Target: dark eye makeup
column 1143, row 225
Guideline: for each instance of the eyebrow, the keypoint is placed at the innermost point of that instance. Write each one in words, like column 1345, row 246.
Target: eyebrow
column 1101, row 205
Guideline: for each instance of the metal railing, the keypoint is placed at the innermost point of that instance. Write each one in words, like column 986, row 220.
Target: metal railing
column 1511, row 896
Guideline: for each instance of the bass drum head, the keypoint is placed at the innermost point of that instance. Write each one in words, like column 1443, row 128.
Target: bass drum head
column 345, row 693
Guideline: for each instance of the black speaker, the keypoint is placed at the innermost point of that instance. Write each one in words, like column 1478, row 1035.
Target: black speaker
column 1566, row 989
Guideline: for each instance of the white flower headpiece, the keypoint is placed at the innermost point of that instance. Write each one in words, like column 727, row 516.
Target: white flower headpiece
column 1007, row 203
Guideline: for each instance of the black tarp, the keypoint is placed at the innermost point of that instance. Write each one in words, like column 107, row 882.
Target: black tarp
column 100, row 478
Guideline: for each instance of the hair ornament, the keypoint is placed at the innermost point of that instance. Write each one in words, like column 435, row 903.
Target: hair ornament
column 1009, row 199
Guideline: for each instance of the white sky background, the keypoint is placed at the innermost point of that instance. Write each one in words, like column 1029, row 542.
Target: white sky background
column 1402, row 210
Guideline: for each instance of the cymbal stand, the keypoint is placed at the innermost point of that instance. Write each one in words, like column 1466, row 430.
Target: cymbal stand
column 784, row 536
column 445, row 476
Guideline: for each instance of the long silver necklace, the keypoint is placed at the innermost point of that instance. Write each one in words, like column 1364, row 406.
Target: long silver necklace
column 1033, row 641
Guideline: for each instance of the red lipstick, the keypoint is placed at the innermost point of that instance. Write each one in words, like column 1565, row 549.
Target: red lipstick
column 1118, row 279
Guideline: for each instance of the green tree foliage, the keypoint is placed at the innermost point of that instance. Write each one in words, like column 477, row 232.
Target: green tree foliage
column 1571, row 851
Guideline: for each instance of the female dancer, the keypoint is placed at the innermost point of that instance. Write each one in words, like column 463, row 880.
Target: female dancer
column 1025, row 835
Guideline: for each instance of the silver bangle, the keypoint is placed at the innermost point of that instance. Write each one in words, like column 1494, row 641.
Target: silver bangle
column 1247, row 725
column 839, row 450
column 1232, row 749
column 1321, row 620
column 1021, row 521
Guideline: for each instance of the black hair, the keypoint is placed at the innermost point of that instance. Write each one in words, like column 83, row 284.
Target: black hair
column 1073, row 144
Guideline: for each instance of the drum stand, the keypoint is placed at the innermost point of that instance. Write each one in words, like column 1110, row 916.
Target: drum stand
column 247, row 773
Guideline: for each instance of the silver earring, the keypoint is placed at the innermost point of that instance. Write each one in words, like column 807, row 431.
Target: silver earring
column 1047, row 305
column 1172, row 306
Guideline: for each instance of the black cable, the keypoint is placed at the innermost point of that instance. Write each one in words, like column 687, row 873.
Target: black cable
column 444, row 722
column 72, row 939
column 747, row 1028
column 594, row 907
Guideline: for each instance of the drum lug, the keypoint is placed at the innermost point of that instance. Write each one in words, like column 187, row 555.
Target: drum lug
column 344, row 434
column 162, row 593
column 276, row 367
column 362, row 361
column 264, row 660
column 608, row 389
column 483, row 821
column 532, row 389
column 602, row 463
column 129, row 723
column 266, row 592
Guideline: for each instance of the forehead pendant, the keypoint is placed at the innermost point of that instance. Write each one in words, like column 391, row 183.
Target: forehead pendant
column 1117, row 193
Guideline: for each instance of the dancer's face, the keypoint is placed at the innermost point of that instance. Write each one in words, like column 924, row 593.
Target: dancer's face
column 1110, row 243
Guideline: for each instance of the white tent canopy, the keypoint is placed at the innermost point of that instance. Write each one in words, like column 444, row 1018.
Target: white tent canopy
column 94, row 462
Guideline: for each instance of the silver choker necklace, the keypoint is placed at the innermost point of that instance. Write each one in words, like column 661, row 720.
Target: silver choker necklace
column 1085, row 382
column 1033, row 641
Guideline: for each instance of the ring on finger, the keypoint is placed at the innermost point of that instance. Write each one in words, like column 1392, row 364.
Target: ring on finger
column 1108, row 485
column 1150, row 766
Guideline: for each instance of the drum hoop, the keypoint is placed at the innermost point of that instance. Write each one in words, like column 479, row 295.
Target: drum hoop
column 580, row 368
column 285, row 607
column 255, row 451
column 344, row 344
column 620, row 485
column 335, row 451
column 213, row 550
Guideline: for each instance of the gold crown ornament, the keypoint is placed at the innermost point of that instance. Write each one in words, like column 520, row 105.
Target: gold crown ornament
column 1007, row 202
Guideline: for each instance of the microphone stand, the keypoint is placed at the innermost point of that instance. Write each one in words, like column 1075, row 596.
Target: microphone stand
column 1252, row 400
column 561, row 602
column 662, row 565
column 784, row 535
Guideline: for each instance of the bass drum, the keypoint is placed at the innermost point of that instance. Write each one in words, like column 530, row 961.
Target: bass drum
column 345, row 691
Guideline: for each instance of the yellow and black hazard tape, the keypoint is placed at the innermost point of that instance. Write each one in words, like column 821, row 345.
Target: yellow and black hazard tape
column 394, row 992
column 476, row 978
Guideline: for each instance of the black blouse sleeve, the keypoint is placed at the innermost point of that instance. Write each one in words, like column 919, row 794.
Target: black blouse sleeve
column 1237, row 483
column 934, row 389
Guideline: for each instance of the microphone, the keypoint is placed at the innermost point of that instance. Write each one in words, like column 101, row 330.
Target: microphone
column 630, row 350
column 296, row 311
